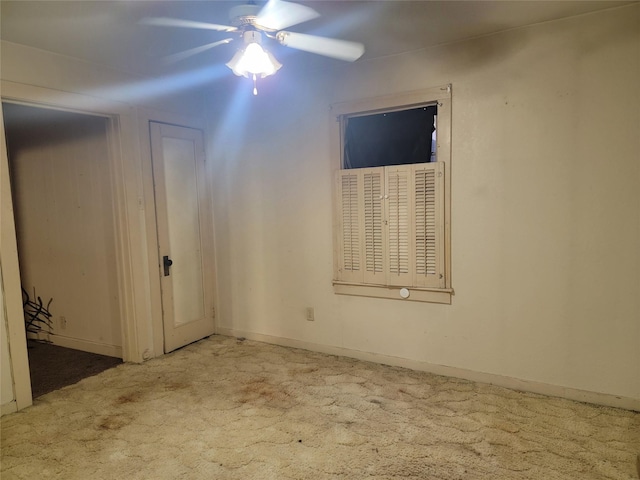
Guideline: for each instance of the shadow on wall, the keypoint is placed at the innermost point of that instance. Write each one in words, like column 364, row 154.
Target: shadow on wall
column 44, row 126
column 492, row 49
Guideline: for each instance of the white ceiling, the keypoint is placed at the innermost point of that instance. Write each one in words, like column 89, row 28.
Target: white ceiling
column 108, row 32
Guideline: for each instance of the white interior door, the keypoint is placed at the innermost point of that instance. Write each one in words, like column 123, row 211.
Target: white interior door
column 184, row 222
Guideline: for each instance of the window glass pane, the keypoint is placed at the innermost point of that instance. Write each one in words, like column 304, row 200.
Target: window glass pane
column 390, row 138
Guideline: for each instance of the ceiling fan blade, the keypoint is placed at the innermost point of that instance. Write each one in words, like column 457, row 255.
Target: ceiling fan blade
column 176, row 22
column 329, row 47
column 278, row 14
column 193, row 51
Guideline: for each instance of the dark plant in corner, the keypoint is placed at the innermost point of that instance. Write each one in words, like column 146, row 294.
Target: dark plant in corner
column 37, row 317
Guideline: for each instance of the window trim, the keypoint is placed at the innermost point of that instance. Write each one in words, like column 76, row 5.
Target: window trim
column 441, row 96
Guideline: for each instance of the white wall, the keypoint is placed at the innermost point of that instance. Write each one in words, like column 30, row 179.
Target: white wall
column 546, row 207
column 63, row 205
column 6, row 386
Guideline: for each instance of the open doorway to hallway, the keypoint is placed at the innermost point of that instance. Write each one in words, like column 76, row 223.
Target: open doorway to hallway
column 62, row 195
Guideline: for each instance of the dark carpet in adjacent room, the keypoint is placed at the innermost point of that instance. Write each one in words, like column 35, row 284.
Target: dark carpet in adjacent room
column 53, row 367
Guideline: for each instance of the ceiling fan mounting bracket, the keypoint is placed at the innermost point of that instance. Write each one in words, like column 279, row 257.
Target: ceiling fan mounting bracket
column 245, row 17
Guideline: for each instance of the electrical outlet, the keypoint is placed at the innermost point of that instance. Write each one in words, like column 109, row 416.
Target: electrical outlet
column 63, row 323
column 310, row 314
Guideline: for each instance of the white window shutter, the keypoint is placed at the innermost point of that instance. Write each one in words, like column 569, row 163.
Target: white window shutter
column 374, row 238
column 390, row 226
column 399, row 228
column 428, row 193
column 349, row 235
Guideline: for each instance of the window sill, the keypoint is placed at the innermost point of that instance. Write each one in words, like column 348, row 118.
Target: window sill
column 379, row 291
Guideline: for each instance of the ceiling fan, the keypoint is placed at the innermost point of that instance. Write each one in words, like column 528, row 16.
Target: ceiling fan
column 249, row 23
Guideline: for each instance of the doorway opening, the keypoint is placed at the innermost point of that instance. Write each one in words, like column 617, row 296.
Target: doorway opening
column 65, row 229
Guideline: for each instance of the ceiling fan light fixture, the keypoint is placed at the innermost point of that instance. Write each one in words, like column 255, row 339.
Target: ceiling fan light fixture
column 253, row 59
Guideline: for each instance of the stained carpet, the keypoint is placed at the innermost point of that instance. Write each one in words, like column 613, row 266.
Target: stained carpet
column 227, row 409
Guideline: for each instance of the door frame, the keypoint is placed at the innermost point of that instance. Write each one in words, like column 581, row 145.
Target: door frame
column 146, row 115
column 125, row 180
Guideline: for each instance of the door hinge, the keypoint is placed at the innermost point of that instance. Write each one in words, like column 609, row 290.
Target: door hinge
column 213, row 312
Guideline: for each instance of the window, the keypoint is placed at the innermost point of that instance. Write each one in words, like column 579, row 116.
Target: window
column 390, row 138
column 392, row 200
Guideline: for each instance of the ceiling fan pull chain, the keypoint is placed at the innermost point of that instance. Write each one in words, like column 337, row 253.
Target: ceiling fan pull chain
column 255, row 85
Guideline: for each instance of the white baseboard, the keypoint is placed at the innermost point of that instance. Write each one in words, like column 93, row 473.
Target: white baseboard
column 8, row 408
column 597, row 398
column 80, row 344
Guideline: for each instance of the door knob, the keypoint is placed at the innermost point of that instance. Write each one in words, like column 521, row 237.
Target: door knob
column 166, row 263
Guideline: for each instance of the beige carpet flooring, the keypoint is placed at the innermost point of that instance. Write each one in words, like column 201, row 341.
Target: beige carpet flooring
column 229, row 409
